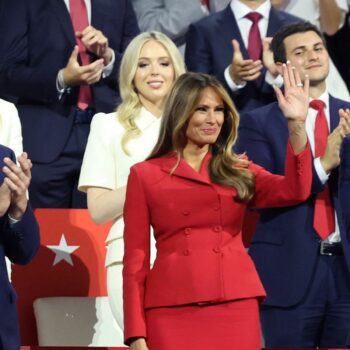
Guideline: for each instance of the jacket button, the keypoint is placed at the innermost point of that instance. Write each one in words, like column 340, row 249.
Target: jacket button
column 185, row 212
column 217, row 228
column 188, row 231
column 217, row 250
column 216, row 207
column 186, row 252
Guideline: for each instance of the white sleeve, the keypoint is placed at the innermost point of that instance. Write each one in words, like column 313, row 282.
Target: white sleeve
column 98, row 168
column 231, row 84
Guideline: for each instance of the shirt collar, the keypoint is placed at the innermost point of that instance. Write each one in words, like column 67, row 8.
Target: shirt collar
column 146, row 119
column 240, row 10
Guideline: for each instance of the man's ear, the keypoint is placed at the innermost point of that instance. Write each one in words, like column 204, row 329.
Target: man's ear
column 279, row 67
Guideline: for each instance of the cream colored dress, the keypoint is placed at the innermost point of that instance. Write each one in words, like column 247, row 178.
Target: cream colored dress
column 106, row 165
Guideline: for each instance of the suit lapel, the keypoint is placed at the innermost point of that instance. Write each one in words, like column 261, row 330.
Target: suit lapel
column 185, row 171
column 334, row 107
column 230, row 30
column 61, row 11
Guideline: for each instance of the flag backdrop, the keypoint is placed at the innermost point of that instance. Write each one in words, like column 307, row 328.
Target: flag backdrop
column 70, row 262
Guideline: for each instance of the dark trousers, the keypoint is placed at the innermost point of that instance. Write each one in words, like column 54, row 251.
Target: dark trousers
column 54, row 185
column 321, row 319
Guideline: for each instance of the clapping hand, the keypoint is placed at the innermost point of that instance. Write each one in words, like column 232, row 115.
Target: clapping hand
column 18, row 179
column 242, row 70
column 331, row 157
column 96, row 42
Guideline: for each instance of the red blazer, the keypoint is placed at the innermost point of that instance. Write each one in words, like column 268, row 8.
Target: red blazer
column 197, row 227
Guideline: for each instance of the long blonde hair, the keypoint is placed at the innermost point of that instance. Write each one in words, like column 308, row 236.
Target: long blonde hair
column 225, row 167
column 130, row 107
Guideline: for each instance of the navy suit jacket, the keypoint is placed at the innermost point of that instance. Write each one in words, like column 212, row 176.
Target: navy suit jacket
column 19, row 242
column 344, row 184
column 209, row 50
column 285, row 246
column 37, row 39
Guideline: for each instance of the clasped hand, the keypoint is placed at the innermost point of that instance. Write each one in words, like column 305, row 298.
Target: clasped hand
column 96, row 43
column 244, row 70
column 13, row 191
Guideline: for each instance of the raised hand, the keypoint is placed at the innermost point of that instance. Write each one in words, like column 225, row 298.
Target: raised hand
column 75, row 74
column 242, row 70
column 331, row 157
column 18, row 179
column 294, row 102
column 96, row 42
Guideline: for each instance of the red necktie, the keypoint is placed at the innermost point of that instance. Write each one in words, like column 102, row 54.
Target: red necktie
column 324, row 221
column 254, row 38
column 78, row 14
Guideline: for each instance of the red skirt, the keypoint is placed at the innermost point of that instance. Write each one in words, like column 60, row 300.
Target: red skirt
column 229, row 325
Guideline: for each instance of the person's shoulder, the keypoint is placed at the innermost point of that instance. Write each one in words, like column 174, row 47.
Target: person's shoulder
column 286, row 17
column 148, row 164
column 107, row 122
column 6, row 107
column 213, row 19
column 268, row 111
column 338, row 102
column 152, row 168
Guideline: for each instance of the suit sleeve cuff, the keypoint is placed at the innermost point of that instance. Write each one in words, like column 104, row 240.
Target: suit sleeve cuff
column 322, row 175
column 107, row 70
column 12, row 221
column 231, row 84
column 278, row 81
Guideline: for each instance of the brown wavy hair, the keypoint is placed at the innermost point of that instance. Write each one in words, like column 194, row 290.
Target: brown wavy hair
column 225, row 167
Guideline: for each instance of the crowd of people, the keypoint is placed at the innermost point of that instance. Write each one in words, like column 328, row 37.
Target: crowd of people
column 174, row 120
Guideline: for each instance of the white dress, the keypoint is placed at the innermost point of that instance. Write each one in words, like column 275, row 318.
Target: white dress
column 106, row 165
column 310, row 11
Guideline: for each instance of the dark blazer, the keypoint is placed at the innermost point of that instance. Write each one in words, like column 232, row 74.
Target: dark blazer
column 209, row 50
column 285, row 245
column 197, row 225
column 37, row 38
column 19, row 243
column 344, row 184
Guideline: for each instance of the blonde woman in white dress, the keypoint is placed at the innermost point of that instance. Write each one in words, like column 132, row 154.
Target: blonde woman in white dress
column 149, row 67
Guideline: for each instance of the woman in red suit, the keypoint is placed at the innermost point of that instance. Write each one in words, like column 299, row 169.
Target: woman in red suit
column 203, row 290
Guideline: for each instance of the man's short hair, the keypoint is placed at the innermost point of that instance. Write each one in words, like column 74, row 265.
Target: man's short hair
column 277, row 45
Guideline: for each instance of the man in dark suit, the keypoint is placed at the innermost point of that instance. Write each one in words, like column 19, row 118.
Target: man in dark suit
column 19, row 237
column 220, row 45
column 303, row 258
column 59, row 62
